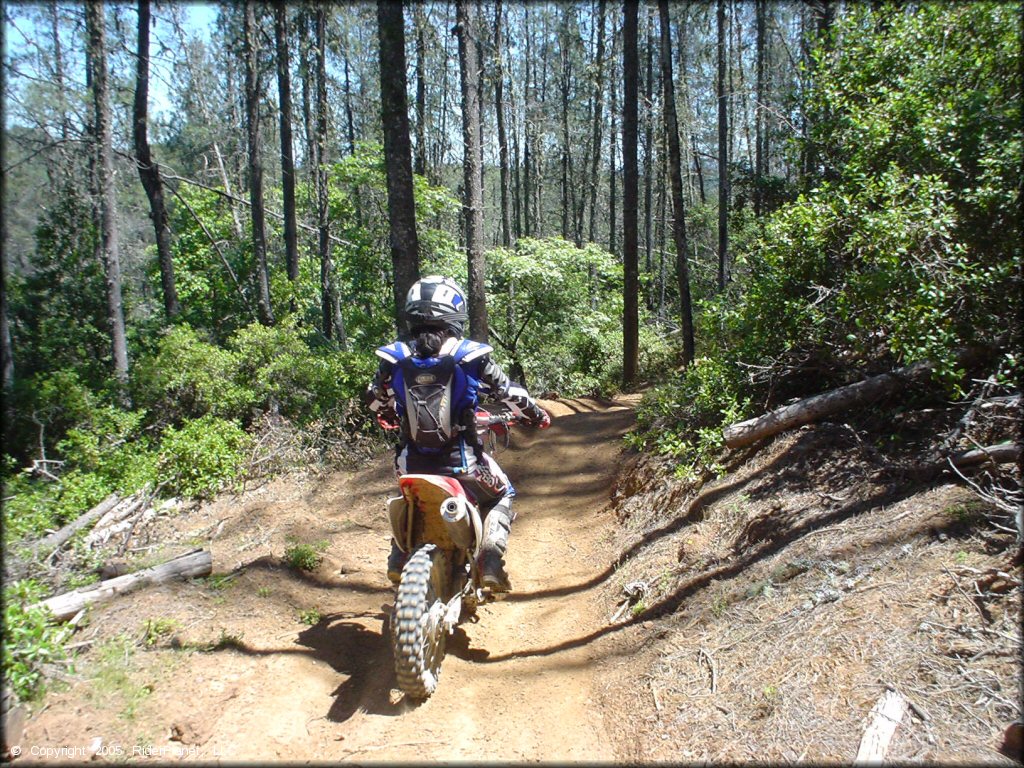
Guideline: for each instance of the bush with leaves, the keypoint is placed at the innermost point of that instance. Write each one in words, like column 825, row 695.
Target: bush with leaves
column 555, row 314
column 682, row 417
column 205, row 456
column 908, row 249
column 31, row 640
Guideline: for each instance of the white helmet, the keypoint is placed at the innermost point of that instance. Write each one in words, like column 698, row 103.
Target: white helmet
column 436, row 302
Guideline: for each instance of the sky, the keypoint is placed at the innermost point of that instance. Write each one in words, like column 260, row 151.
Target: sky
column 19, row 28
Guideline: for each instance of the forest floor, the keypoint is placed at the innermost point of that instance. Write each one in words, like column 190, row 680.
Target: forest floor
column 770, row 611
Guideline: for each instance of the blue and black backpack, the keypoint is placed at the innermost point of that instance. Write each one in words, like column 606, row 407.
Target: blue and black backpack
column 436, row 397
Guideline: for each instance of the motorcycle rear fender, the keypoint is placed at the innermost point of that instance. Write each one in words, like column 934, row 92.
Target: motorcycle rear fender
column 445, row 494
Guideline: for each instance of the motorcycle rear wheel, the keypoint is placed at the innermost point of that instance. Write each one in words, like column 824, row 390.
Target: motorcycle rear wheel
column 418, row 637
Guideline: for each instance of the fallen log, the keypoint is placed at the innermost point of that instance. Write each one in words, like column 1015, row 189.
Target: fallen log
column 886, row 715
column 57, row 539
column 813, row 408
column 1004, row 453
column 199, row 562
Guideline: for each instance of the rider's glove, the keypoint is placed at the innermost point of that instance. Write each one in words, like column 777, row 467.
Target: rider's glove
column 388, row 419
column 542, row 420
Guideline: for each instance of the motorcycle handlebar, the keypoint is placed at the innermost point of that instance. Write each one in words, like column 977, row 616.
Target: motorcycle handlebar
column 487, row 419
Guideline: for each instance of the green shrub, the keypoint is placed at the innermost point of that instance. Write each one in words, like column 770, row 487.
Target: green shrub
column 31, row 641
column 189, row 377
column 305, row 557
column 285, row 374
column 683, row 418
column 203, row 457
column 907, row 248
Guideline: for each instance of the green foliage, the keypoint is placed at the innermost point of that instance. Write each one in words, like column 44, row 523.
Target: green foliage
column 682, row 418
column 305, row 557
column 113, row 678
column 31, row 641
column 210, row 280
column 155, row 631
column 311, row 616
column 539, row 305
column 58, row 309
column 188, row 377
column 904, row 249
column 908, row 250
column 203, row 457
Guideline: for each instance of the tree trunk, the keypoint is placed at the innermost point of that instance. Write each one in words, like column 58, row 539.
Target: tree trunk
column 760, row 137
column 630, row 190
column 6, row 347
column 284, row 90
column 676, row 176
column 252, row 118
column 595, row 140
column 188, row 566
column 56, row 539
column 612, row 152
column 723, row 155
column 813, row 408
column 149, row 171
column 94, row 13
column 499, row 106
column 307, row 101
column 649, row 152
column 420, row 163
column 528, row 99
column 323, row 224
column 698, row 169
column 397, row 152
column 472, row 159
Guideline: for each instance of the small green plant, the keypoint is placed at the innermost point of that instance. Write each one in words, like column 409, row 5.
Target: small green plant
column 718, row 606
column 311, row 616
column 965, row 513
column 960, row 558
column 221, row 581
column 228, row 640
column 263, row 591
column 305, row 557
column 155, row 630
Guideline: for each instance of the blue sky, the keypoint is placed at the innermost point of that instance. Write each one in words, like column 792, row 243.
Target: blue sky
column 198, row 18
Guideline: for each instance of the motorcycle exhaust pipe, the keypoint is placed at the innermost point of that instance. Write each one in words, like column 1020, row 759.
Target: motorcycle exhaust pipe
column 457, row 522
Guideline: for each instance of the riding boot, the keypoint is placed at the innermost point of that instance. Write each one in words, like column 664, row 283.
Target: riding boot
column 396, row 562
column 492, row 563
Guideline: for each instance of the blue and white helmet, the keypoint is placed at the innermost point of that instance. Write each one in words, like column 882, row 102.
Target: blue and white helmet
column 437, row 302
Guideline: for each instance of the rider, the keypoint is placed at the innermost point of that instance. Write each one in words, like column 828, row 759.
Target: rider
column 438, row 428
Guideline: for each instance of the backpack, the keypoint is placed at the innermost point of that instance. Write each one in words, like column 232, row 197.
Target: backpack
column 434, row 394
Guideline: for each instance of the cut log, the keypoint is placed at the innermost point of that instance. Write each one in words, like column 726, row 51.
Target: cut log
column 885, row 716
column 813, row 408
column 199, row 562
column 57, row 539
column 1004, row 453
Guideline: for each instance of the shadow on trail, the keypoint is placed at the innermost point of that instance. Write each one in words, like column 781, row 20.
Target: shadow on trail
column 771, row 543
column 694, row 513
column 351, row 649
column 362, row 654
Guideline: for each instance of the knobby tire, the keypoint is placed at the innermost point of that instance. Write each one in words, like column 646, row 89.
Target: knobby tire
column 418, row 648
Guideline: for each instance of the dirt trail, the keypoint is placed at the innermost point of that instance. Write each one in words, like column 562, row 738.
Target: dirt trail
column 516, row 685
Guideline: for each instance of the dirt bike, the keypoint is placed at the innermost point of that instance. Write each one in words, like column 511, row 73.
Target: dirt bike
column 436, row 522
